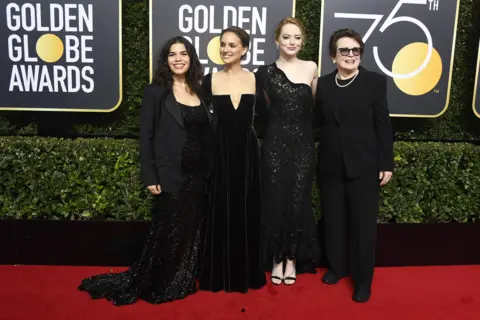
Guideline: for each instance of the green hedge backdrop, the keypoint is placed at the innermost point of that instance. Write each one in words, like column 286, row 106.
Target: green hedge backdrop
column 458, row 122
column 84, row 179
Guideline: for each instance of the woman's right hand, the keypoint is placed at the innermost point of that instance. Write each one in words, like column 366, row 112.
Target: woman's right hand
column 155, row 189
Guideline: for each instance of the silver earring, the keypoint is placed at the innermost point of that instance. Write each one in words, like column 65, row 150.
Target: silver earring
column 277, row 46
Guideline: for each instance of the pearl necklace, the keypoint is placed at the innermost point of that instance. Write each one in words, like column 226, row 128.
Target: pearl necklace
column 345, row 85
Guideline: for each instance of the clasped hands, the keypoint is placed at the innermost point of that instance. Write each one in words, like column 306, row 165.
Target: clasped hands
column 155, row 189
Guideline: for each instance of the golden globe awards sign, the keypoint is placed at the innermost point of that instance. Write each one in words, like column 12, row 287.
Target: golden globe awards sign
column 60, row 55
column 410, row 41
column 202, row 21
column 476, row 92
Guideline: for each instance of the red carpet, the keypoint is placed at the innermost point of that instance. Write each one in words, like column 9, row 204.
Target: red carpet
column 453, row 293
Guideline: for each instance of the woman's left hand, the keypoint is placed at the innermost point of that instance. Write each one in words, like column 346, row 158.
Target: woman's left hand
column 385, row 176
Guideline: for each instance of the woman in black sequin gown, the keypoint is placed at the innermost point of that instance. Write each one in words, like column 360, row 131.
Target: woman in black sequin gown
column 231, row 259
column 174, row 149
column 288, row 159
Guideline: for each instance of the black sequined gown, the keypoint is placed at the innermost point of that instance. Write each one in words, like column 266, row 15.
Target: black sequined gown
column 167, row 266
column 288, row 168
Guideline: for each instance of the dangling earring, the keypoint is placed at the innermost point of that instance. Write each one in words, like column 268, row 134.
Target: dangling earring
column 334, row 61
column 277, row 47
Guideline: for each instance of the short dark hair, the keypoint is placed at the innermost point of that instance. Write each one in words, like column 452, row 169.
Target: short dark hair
column 344, row 33
column 163, row 74
column 240, row 33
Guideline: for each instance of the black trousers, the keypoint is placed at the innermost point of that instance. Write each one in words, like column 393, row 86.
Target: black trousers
column 350, row 210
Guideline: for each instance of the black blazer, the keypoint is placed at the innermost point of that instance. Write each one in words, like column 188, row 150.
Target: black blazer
column 354, row 122
column 162, row 137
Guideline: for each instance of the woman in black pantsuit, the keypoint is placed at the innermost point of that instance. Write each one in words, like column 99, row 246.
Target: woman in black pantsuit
column 355, row 158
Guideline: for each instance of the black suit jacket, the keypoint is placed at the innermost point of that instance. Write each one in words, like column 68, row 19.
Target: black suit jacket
column 162, row 137
column 354, row 124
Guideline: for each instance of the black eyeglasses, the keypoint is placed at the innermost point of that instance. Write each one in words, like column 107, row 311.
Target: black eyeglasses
column 345, row 51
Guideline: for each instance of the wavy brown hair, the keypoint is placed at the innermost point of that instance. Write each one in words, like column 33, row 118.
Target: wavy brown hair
column 163, row 75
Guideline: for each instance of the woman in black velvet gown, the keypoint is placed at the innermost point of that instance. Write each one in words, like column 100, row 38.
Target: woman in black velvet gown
column 231, row 259
column 175, row 134
column 288, row 159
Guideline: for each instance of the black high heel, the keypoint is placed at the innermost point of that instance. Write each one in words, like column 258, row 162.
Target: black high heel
column 273, row 277
column 290, row 278
column 276, row 278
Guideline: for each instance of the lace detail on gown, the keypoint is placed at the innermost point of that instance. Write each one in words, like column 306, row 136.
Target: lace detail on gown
column 288, row 168
column 167, row 266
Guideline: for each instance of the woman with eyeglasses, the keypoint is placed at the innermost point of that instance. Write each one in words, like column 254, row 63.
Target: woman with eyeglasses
column 355, row 158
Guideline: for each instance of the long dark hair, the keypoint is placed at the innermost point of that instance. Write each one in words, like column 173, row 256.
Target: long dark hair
column 163, row 75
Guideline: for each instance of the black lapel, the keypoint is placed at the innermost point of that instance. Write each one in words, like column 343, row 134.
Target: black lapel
column 172, row 107
column 336, row 111
column 208, row 108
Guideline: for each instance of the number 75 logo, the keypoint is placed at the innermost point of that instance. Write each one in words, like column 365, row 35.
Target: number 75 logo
column 391, row 19
column 417, row 67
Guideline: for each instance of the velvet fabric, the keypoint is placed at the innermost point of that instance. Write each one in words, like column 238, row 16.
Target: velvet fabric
column 231, row 259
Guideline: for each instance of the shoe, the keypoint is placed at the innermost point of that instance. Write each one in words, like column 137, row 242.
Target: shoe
column 275, row 279
column 362, row 294
column 330, row 277
column 292, row 277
